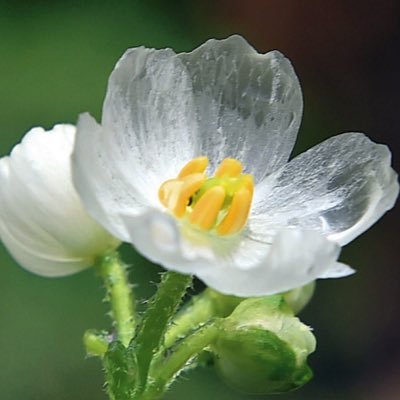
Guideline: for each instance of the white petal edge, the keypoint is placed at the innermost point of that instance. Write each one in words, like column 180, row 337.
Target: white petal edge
column 337, row 270
column 340, row 187
column 243, row 267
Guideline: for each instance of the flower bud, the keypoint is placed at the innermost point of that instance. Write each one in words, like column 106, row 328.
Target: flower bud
column 42, row 221
column 263, row 348
column 96, row 343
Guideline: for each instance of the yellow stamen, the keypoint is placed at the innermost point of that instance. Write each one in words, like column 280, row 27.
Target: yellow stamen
column 191, row 184
column 237, row 214
column 167, row 190
column 206, row 210
column 220, row 204
column 229, row 167
column 248, row 182
column 196, row 165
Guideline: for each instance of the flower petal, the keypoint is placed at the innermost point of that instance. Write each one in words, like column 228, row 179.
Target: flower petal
column 148, row 132
column 339, row 187
column 40, row 263
column 106, row 187
column 249, row 105
column 42, row 221
column 240, row 266
column 149, row 115
column 337, row 270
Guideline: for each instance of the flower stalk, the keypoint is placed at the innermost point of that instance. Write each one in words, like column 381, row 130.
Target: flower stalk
column 120, row 295
column 198, row 311
column 160, row 311
column 166, row 368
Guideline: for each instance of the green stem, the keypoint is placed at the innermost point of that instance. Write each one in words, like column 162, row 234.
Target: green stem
column 164, row 371
column 119, row 293
column 162, row 307
column 202, row 308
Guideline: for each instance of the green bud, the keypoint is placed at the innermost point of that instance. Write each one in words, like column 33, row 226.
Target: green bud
column 298, row 298
column 262, row 347
column 96, row 343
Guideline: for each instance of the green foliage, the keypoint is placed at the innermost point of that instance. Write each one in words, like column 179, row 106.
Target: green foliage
column 161, row 309
column 120, row 371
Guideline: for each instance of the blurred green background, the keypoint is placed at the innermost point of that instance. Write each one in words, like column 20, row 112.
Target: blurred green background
column 55, row 58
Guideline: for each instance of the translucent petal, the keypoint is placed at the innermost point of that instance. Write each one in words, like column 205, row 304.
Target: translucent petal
column 249, row 105
column 149, row 117
column 337, row 270
column 106, row 187
column 239, row 265
column 42, row 220
column 339, row 188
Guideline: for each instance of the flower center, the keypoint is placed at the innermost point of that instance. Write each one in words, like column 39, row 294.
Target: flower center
column 220, row 203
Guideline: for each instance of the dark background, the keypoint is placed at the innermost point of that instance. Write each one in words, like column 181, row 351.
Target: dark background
column 55, row 58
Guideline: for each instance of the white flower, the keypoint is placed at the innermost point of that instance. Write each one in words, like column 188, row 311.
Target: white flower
column 42, row 221
column 224, row 100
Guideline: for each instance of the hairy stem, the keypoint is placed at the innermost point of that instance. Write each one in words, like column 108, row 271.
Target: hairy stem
column 201, row 309
column 161, row 309
column 167, row 368
column 120, row 295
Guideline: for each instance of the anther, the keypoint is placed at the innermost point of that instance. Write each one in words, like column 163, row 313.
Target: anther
column 196, row 165
column 247, row 181
column 237, row 214
column 229, row 167
column 207, row 208
column 191, row 184
column 167, row 190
